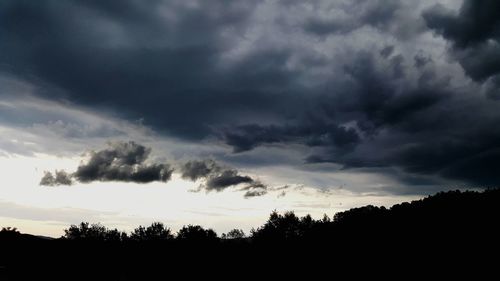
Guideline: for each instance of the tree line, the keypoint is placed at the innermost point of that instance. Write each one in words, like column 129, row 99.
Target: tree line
column 449, row 227
column 456, row 212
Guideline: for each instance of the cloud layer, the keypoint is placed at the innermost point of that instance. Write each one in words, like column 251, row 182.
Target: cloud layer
column 411, row 86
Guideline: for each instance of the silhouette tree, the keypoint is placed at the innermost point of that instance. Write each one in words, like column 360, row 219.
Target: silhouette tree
column 93, row 232
column 155, row 232
column 114, row 235
column 234, row 234
column 196, row 233
column 284, row 227
column 77, row 232
column 9, row 229
column 9, row 233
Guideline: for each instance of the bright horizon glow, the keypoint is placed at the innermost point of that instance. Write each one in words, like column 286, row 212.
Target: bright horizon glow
column 47, row 211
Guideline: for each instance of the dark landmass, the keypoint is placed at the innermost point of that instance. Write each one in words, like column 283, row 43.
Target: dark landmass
column 451, row 231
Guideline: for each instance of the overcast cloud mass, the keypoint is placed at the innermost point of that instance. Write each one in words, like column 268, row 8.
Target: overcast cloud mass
column 406, row 89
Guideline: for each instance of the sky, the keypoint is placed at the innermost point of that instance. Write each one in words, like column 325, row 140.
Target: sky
column 219, row 112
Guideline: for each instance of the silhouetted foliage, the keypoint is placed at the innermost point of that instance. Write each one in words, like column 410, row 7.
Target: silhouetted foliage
column 196, row 233
column 452, row 212
column 279, row 228
column 155, row 232
column 234, row 234
column 9, row 229
column 93, row 232
column 9, row 233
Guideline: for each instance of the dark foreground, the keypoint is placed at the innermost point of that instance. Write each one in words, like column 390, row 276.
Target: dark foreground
column 451, row 232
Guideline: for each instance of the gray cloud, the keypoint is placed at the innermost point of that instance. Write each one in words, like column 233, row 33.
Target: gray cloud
column 342, row 18
column 387, row 51
column 194, row 170
column 476, row 22
column 255, row 193
column 225, row 179
column 421, row 60
column 60, row 178
column 218, row 178
column 122, row 161
column 312, row 133
column 475, row 34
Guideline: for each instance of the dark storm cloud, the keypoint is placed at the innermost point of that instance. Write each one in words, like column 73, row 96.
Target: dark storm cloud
column 375, row 13
column 476, row 22
column 315, row 133
column 219, row 70
column 372, row 93
column 153, row 61
column 122, row 161
column 387, row 16
column 475, row 34
column 428, row 129
column 218, row 178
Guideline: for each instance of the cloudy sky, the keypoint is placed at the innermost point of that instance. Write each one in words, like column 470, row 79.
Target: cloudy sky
column 218, row 112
